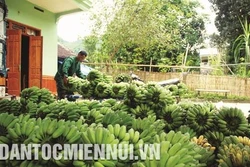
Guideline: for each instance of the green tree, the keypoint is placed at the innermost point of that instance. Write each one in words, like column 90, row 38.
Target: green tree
column 227, row 21
column 157, row 30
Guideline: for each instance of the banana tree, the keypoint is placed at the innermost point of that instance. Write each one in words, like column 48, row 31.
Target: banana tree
column 242, row 42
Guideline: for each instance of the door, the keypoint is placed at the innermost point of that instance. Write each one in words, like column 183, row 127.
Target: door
column 13, row 61
column 35, row 61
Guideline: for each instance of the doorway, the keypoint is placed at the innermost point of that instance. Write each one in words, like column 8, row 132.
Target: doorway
column 24, row 62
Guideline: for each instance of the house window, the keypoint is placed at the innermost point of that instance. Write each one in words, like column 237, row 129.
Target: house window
column 26, row 30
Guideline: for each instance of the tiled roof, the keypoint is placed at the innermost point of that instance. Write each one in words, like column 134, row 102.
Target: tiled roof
column 63, row 51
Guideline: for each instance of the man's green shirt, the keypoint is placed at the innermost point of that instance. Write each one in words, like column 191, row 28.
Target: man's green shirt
column 69, row 67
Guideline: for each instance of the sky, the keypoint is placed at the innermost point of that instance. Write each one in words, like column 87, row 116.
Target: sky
column 71, row 27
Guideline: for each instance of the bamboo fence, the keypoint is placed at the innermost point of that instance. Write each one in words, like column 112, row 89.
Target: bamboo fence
column 237, row 86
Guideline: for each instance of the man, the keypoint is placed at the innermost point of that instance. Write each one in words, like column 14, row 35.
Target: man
column 71, row 66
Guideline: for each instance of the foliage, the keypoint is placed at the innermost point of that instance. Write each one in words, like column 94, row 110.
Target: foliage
column 228, row 12
column 242, row 43
column 140, row 31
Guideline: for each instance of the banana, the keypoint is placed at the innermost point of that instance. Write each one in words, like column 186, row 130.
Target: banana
column 91, row 135
column 131, row 133
column 98, row 164
column 144, row 133
column 136, row 137
column 72, row 132
column 29, row 128
column 174, row 149
column 186, row 159
column 75, row 138
column 99, row 135
column 45, row 125
column 5, row 140
column 52, row 127
column 105, row 136
column 173, row 160
column 78, row 163
column 176, row 138
column 17, row 129
column 117, row 128
column 170, row 135
column 165, row 145
column 122, row 132
column 10, row 123
column 126, row 137
column 107, row 163
column 12, row 133
column 85, row 138
column 58, row 132
column 164, row 158
column 111, row 129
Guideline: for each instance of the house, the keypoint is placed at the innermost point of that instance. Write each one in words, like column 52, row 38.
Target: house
column 63, row 52
column 32, row 52
column 205, row 59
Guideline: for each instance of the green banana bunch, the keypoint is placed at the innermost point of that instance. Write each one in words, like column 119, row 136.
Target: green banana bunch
column 118, row 90
column 120, row 107
column 142, row 111
column 120, row 132
column 110, row 119
column 133, row 96
column 86, row 90
column 73, row 84
column 231, row 121
column 107, row 79
column 214, row 138
column 173, row 89
column 182, row 89
column 173, row 117
column 71, row 112
column 7, row 121
column 158, row 98
column 94, row 77
column 120, row 78
column 94, row 104
column 200, row 118
column 94, row 116
column 4, row 105
column 98, row 135
column 46, row 96
column 102, row 90
column 31, row 109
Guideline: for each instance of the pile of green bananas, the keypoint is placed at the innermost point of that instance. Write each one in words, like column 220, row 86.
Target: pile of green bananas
column 36, row 95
